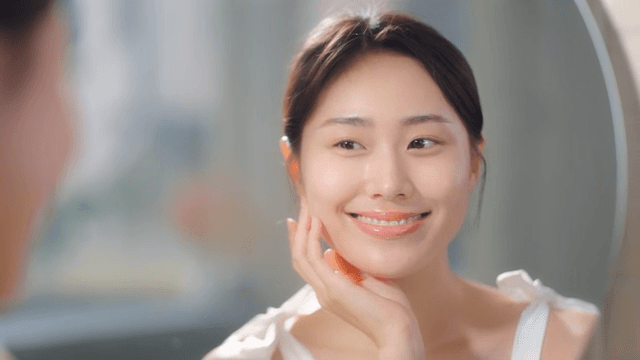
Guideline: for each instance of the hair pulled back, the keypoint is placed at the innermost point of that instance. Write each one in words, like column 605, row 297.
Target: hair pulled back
column 338, row 42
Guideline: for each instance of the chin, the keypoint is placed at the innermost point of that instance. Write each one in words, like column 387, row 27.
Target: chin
column 380, row 263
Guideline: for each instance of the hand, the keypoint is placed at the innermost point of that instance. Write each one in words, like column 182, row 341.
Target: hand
column 377, row 308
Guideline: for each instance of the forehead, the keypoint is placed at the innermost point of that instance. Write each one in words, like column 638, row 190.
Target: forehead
column 384, row 87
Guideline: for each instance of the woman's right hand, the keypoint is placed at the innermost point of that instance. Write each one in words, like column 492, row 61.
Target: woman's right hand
column 377, row 308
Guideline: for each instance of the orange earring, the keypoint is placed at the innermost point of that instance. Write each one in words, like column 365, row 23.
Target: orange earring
column 285, row 148
column 294, row 167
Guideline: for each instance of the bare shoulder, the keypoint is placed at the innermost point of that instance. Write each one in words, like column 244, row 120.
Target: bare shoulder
column 570, row 326
column 568, row 334
column 494, row 317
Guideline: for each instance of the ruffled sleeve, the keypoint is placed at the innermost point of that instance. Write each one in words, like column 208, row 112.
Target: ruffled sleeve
column 258, row 338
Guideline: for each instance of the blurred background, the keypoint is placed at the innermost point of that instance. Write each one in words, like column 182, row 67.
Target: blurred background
column 169, row 231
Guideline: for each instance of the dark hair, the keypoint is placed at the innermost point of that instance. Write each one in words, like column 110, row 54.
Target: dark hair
column 338, row 42
column 19, row 20
column 18, row 16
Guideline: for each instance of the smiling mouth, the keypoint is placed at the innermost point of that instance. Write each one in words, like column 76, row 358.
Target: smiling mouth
column 376, row 222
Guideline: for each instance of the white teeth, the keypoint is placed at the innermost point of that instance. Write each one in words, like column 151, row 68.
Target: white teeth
column 371, row 221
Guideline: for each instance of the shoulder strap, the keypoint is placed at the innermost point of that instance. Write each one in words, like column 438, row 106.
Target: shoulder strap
column 532, row 326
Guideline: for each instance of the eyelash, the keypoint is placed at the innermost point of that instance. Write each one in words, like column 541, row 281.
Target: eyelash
column 433, row 142
column 342, row 143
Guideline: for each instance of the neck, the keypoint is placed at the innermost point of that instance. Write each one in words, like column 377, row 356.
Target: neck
column 436, row 296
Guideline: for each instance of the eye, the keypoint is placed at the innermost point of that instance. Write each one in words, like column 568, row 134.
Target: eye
column 348, row 145
column 421, row 143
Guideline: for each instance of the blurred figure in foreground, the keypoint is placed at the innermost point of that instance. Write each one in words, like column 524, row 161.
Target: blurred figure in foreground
column 36, row 133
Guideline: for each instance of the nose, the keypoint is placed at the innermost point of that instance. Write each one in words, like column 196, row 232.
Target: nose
column 387, row 177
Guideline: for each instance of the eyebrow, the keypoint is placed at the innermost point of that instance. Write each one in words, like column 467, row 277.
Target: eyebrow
column 365, row 122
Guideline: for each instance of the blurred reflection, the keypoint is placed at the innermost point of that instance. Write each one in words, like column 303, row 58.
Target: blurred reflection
column 36, row 133
column 217, row 215
column 617, row 19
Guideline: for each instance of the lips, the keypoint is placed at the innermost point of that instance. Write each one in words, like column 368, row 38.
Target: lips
column 388, row 224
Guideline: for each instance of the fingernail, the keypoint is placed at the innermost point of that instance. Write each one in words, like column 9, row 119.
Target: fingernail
column 350, row 271
column 329, row 258
column 355, row 277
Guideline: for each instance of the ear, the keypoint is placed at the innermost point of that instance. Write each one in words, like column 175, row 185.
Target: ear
column 476, row 162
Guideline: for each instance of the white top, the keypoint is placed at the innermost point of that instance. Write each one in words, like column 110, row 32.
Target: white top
column 258, row 339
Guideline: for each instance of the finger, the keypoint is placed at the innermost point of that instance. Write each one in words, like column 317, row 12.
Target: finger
column 305, row 206
column 299, row 251
column 291, row 232
column 325, row 272
column 314, row 252
column 327, row 261
column 385, row 288
column 330, row 258
column 337, row 262
column 314, row 249
column 297, row 248
column 315, row 258
column 362, row 308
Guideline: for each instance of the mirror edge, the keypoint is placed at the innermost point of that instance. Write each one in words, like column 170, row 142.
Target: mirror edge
column 621, row 315
column 619, row 130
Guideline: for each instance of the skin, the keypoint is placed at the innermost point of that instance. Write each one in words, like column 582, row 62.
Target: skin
column 36, row 140
column 385, row 170
column 409, row 304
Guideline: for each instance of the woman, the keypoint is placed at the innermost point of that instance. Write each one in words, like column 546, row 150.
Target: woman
column 383, row 142
column 36, row 129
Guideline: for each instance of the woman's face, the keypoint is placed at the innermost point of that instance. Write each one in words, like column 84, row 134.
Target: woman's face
column 383, row 144
column 36, row 142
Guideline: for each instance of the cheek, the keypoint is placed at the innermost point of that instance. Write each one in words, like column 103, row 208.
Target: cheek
column 443, row 178
column 47, row 141
column 322, row 174
column 328, row 182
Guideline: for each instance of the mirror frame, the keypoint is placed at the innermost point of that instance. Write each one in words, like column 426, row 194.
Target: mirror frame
column 619, row 131
column 620, row 310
